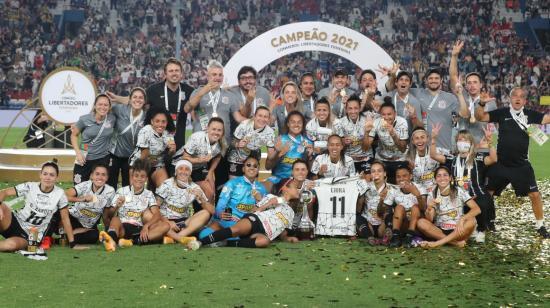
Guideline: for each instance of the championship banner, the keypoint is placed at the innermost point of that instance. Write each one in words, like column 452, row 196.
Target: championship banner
column 307, row 36
column 66, row 94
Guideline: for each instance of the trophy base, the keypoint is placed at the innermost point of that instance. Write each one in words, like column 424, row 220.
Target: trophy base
column 305, row 234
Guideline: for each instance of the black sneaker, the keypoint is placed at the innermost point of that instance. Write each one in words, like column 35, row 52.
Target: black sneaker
column 407, row 243
column 543, row 232
column 395, row 241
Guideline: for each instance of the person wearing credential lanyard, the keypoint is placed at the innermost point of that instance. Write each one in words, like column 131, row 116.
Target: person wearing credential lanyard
column 338, row 93
column 473, row 94
column 515, row 126
column 307, row 87
column 248, row 94
column 96, row 129
column 407, row 106
column 292, row 100
column 368, row 86
column 129, row 121
column 214, row 101
column 439, row 106
column 170, row 94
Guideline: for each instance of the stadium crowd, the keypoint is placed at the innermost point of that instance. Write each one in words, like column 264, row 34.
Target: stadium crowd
column 420, row 155
column 126, row 50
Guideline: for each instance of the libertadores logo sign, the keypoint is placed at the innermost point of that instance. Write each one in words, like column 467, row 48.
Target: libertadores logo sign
column 66, row 94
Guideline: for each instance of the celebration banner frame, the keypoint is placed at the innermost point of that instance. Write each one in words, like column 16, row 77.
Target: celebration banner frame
column 307, row 36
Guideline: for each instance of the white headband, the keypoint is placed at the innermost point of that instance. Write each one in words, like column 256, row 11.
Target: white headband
column 184, row 162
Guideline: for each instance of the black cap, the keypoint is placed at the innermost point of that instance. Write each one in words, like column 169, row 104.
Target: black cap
column 436, row 70
column 404, row 73
column 340, row 72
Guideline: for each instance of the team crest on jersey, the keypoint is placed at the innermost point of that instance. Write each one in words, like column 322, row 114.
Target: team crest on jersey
column 442, row 104
column 225, row 189
column 77, row 178
column 232, row 167
column 108, row 124
column 225, row 100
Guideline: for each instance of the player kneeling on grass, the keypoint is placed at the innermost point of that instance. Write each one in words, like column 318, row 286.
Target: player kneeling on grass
column 92, row 199
column 138, row 218
column 42, row 200
column 271, row 218
column 176, row 196
column 409, row 199
column 371, row 222
column 445, row 220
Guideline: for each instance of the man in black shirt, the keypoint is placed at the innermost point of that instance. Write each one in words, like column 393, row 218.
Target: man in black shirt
column 171, row 94
column 513, row 165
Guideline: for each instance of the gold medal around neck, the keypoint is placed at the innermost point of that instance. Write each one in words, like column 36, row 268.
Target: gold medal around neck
column 94, row 198
column 461, row 183
column 437, row 200
column 127, row 198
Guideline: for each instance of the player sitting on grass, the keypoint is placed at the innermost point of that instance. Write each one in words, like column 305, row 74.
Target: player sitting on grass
column 271, row 218
column 238, row 198
column 445, row 220
column 371, row 222
column 138, row 220
column 92, row 199
column 176, row 196
column 409, row 199
column 42, row 200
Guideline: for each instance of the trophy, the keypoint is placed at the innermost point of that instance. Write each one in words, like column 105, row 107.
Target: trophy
column 306, row 227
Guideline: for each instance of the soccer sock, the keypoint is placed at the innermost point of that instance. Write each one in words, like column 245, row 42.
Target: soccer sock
column 88, row 237
column 539, row 223
column 113, row 235
column 245, row 243
column 136, row 239
column 217, row 236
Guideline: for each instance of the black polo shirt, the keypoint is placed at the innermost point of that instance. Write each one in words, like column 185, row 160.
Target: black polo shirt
column 155, row 98
column 513, row 142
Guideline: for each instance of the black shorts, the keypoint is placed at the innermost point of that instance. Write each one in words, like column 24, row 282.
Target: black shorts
column 522, row 179
column 363, row 166
column 14, row 230
column 180, row 222
column 257, row 226
column 446, row 232
column 199, row 175
column 130, row 230
column 82, row 173
column 75, row 223
column 235, row 169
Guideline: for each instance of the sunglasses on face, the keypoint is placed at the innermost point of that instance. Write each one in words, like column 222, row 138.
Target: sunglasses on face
column 250, row 165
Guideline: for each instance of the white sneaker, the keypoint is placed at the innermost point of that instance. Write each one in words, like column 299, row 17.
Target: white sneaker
column 194, row 245
column 480, row 237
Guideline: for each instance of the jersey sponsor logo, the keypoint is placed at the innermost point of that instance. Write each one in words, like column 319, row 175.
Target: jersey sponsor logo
column 282, row 218
column 289, row 160
column 243, row 207
column 133, row 214
column 88, row 213
column 176, row 209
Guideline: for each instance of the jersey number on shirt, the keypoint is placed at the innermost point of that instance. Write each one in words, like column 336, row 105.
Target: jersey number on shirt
column 35, row 219
column 334, row 201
